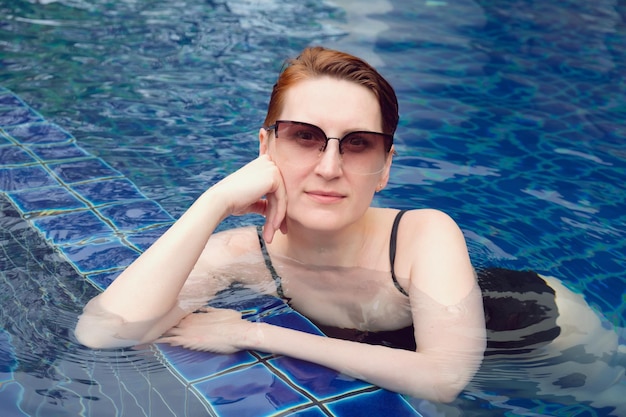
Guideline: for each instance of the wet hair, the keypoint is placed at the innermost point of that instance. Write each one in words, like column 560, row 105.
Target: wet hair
column 315, row 62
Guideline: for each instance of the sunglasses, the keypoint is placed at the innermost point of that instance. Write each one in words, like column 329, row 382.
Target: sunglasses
column 361, row 151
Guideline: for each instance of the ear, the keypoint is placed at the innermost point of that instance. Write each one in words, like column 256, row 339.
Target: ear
column 384, row 175
column 264, row 144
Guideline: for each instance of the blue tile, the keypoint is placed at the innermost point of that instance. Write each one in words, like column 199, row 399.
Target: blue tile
column 14, row 156
column 313, row 411
column 145, row 238
column 9, row 100
column 38, row 133
column 78, row 226
column 253, row 304
column 108, row 191
column 88, row 169
column 321, row 382
column 377, row 403
column 58, row 152
column 99, row 257
column 135, row 215
column 251, row 392
column 13, row 179
column 292, row 320
column 193, row 365
column 17, row 116
column 45, row 199
column 103, row 279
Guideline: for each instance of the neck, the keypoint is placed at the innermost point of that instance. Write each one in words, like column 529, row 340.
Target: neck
column 342, row 248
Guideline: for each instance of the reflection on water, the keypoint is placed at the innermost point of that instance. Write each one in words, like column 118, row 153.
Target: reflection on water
column 523, row 102
column 41, row 297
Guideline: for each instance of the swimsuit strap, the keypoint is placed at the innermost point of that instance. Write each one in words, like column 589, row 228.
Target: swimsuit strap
column 268, row 263
column 392, row 250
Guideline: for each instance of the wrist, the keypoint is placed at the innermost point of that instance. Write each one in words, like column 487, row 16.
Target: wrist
column 217, row 202
column 254, row 337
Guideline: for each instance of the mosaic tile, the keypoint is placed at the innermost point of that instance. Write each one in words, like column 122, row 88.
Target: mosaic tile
column 292, row 320
column 45, row 199
column 103, row 279
column 14, row 156
column 55, row 152
column 38, row 133
column 313, row 411
column 135, row 215
column 17, row 116
column 262, row 393
column 143, row 239
column 99, row 257
column 9, row 100
column 377, row 403
column 194, row 365
column 13, row 179
column 108, row 191
column 250, row 302
column 78, row 226
column 321, row 382
column 85, row 170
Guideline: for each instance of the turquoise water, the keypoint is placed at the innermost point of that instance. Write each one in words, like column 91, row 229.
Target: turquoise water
column 512, row 121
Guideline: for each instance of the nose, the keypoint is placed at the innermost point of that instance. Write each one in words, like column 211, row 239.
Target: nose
column 330, row 162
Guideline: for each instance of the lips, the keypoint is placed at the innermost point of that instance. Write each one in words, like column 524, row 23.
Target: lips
column 325, row 196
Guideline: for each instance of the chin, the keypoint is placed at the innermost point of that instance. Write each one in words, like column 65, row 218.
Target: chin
column 325, row 219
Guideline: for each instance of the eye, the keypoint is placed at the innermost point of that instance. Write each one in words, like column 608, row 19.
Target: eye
column 358, row 142
column 304, row 135
column 308, row 137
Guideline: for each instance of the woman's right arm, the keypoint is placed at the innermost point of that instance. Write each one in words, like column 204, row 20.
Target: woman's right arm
column 142, row 302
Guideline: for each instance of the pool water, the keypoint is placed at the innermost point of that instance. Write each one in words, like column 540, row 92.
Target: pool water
column 512, row 121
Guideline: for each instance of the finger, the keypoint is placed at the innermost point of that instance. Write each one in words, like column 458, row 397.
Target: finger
column 170, row 340
column 277, row 210
column 268, row 227
column 281, row 205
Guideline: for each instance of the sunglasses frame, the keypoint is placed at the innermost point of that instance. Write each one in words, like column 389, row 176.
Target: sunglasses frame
column 387, row 138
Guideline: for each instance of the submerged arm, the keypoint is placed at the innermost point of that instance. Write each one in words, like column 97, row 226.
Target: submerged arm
column 436, row 372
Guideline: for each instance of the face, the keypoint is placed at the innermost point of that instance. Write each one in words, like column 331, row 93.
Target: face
column 322, row 194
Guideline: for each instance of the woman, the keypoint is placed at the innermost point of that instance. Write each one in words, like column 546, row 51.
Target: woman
column 329, row 245
column 325, row 148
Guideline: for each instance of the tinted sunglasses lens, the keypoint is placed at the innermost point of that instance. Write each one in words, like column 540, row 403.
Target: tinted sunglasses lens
column 302, row 136
column 303, row 143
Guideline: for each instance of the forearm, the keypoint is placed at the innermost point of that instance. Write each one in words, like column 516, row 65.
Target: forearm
column 149, row 287
column 142, row 302
column 435, row 376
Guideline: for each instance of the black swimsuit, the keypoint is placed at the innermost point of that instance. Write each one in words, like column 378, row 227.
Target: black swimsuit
column 521, row 322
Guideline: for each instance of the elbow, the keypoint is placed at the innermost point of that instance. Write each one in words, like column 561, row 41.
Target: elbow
column 94, row 335
column 448, row 386
column 446, row 394
column 89, row 336
column 86, row 337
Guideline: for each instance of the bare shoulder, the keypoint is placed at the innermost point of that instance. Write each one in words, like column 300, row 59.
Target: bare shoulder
column 436, row 250
column 431, row 228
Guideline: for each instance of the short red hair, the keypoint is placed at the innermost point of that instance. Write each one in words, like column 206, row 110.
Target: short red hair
column 318, row 62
